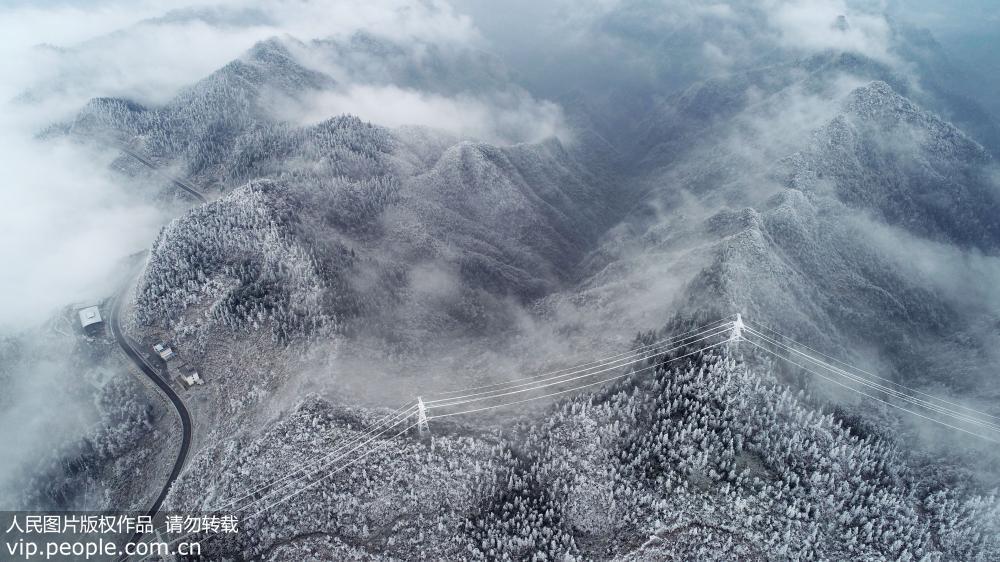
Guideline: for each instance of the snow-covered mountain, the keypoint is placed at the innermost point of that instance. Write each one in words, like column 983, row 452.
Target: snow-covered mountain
column 341, row 263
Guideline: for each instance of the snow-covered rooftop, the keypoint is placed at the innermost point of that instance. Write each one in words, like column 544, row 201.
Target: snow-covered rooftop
column 90, row 316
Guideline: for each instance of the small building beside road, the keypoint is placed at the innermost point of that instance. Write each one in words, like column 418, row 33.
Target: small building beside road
column 91, row 321
column 164, row 351
column 188, row 376
column 175, row 368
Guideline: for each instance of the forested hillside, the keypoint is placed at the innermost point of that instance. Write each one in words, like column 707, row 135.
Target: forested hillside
column 340, row 205
column 710, row 460
column 114, row 419
column 340, row 263
column 349, row 203
column 830, row 229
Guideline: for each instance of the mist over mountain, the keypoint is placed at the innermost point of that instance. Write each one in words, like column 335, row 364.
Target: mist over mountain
column 362, row 204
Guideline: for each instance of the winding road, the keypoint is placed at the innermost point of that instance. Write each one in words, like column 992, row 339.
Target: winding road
column 150, row 372
column 145, row 368
column 188, row 188
column 137, row 357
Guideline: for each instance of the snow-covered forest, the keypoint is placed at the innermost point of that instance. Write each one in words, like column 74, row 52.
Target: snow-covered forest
column 709, row 460
column 95, row 469
column 306, row 211
column 328, row 210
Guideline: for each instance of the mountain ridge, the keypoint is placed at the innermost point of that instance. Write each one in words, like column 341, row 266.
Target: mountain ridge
column 366, row 263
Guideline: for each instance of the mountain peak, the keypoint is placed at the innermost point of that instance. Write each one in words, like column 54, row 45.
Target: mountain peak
column 876, row 94
column 271, row 50
column 879, row 102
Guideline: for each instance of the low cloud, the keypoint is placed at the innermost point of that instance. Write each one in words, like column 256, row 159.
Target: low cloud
column 664, row 45
column 148, row 50
column 818, row 25
column 502, row 117
column 64, row 225
column 67, row 219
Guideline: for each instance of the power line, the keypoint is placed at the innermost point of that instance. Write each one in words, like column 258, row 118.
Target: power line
column 852, row 389
column 300, row 469
column 892, row 392
column 596, row 361
column 651, row 350
column 331, row 473
column 312, row 464
column 890, row 381
column 339, row 457
column 642, row 356
column 409, row 414
column 565, row 380
column 602, row 381
column 304, row 488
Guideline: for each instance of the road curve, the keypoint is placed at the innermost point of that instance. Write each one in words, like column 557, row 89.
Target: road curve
column 136, row 357
column 178, row 182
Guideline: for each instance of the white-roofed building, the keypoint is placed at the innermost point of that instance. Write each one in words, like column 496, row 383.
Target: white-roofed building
column 188, row 375
column 164, row 351
column 90, row 320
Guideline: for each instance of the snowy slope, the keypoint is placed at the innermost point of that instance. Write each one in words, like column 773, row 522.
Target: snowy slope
column 818, row 195
column 840, row 240
column 707, row 461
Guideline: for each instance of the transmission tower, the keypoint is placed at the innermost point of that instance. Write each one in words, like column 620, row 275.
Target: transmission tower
column 737, row 333
column 422, row 427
